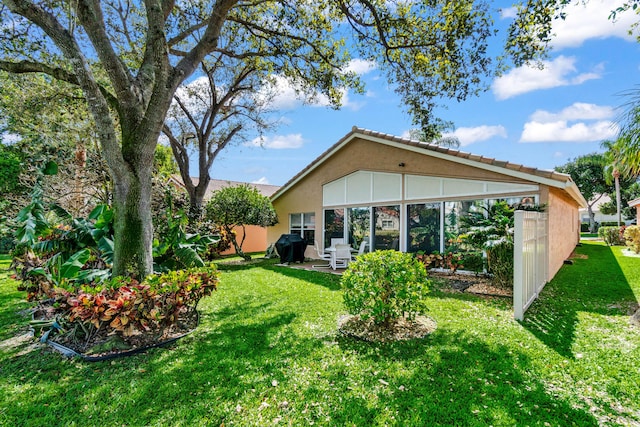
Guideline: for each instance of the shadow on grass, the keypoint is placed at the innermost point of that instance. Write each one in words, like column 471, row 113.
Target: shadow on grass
column 329, row 281
column 456, row 379
column 594, row 283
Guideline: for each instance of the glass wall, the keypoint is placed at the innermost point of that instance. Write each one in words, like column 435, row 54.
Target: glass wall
column 359, row 224
column 386, row 233
column 423, row 227
column 333, row 225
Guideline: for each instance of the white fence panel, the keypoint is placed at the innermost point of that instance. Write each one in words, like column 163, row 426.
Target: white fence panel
column 530, row 259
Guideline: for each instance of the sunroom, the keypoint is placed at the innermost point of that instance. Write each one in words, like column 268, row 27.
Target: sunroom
column 395, row 193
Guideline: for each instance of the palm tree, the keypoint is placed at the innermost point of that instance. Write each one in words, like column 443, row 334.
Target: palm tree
column 615, row 167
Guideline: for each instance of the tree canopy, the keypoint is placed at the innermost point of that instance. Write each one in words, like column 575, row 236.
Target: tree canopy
column 239, row 206
column 129, row 58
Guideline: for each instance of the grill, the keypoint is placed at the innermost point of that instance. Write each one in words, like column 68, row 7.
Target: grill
column 291, row 248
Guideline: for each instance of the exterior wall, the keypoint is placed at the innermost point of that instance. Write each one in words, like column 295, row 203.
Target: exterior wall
column 636, row 203
column 359, row 154
column 256, row 240
column 564, row 227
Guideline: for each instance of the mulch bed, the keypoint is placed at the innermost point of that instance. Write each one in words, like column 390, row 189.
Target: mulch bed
column 470, row 283
column 102, row 344
column 402, row 329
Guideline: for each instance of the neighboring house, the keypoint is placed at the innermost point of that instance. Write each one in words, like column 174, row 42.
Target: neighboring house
column 636, row 203
column 256, row 240
column 398, row 193
column 598, row 216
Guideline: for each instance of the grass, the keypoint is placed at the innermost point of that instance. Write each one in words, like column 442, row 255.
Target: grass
column 267, row 352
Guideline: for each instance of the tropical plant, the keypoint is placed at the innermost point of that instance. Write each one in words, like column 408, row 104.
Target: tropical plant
column 447, row 260
column 632, row 237
column 179, row 249
column 385, row 286
column 125, row 306
column 493, row 233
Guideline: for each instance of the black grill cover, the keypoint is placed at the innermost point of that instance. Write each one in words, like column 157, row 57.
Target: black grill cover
column 291, row 248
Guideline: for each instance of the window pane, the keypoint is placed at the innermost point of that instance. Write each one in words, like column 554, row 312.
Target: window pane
column 295, row 220
column 333, row 225
column 310, row 221
column 359, row 225
column 387, row 227
column 423, row 230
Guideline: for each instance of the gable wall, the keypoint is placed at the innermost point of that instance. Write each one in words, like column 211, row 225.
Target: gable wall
column 359, row 154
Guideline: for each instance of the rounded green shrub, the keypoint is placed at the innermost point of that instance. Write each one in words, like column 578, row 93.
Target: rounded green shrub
column 385, row 285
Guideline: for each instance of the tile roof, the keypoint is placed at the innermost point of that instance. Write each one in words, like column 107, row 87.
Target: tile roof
column 216, row 184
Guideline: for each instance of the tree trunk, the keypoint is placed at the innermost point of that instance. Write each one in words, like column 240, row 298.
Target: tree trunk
column 133, row 228
column 236, row 246
column 196, row 199
column 616, row 176
column 592, row 219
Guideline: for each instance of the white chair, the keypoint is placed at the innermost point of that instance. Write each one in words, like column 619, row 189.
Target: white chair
column 341, row 256
column 361, row 249
column 322, row 256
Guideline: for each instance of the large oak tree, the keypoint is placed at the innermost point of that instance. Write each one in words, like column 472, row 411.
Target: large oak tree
column 129, row 57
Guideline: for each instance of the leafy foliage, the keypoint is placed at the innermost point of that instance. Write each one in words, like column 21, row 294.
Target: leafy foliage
column 179, row 249
column 385, row 285
column 632, row 237
column 56, row 250
column 612, row 236
column 449, row 260
column 494, row 234
column 126, row 306
column 238, row 206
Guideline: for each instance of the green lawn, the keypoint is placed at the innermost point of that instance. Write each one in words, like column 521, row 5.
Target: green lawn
column 267, row 352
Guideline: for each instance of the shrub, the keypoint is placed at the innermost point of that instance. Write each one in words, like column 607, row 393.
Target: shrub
column 632, row 237
column 585, row 227
column 473, row 261
column 385, row 285
column 448, row 260
column 612, row 236
column 500, row 263
column 126, row 306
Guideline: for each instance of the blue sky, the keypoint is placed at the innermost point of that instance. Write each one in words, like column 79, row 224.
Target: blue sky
column 536, row 117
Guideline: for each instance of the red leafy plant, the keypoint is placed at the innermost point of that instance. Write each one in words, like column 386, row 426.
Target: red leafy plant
column 448, row 260
column 129, row 307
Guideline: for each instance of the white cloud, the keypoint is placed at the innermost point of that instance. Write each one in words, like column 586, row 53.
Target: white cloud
column 559, row 72
column 576, row 111
column 590, row 123
column 287, row 95
column 278, row 142
column 562, row 131
column 361, row 66
column 590, row 21
column 508, row 12
column 469, row 135
column 262, row 180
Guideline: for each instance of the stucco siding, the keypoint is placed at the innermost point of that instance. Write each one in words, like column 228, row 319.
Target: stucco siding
column 564, row 232
column 256, row 240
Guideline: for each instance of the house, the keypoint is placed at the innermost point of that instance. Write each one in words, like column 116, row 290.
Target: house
column 397, row 193
column 636, row 203
column 598, row 216
column 256, row 240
